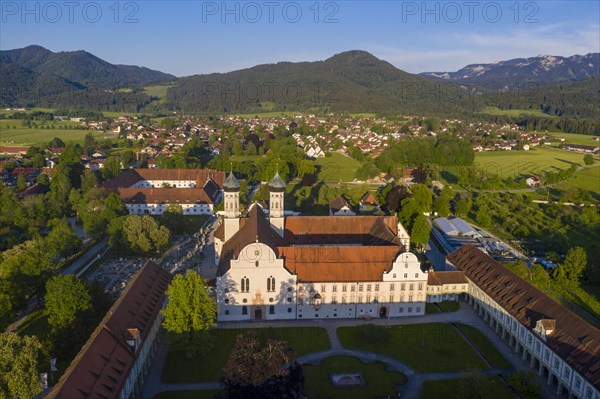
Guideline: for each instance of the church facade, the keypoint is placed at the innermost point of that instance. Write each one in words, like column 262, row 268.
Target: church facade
column 307, row 267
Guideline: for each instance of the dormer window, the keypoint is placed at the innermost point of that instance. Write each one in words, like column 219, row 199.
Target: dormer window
column 545, row 327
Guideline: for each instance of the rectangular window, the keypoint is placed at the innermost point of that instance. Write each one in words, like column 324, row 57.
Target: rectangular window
column 368, row 287
column 410, row 297
column 416, row 275
column 392, row 287
column 418, row 309
column 334, row 288
column 409, row 310
column 359, row 298
column 376, row 298
column 391, row 297
column 344, row 298
column 577, row 383
column 352, row 298
column 556, row 364
column 401, row 310
column 405, row 275
column 420, row 286
column 301, row 288
column 376, row 287
column 402, row 287
column 344, row 288
column 411, row 287
column 368, row 298
column 333, row 299
column 360, row 288
column 352, row 288
column 323, row 287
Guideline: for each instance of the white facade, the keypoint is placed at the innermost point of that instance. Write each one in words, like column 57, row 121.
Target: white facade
column 531, row 345
column 163, row 183
column 158, row 209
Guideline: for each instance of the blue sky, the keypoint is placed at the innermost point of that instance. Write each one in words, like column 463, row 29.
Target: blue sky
column 193, row 37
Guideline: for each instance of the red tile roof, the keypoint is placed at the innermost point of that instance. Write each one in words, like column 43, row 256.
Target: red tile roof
column 165, row 196
column 575, row 340
column 101, row 367
column 450, row 277
column 339, row 263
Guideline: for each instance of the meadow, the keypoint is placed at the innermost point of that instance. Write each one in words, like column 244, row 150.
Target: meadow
column 30, row 136
column 526, row 163
column 573, row 138
column 515, row 112
column 336, row 168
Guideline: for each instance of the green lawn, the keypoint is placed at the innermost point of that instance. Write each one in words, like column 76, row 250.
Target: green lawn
column 209, row 394
column 481, row 342
column 526, row 163
column 490, row 386
column 515, row 112
column 429, row 348
column 378, row 381
column 159, row 91
column 574, row 138
column 30, row 136
column 180, row 369
column 587, row 179
column 338, row 167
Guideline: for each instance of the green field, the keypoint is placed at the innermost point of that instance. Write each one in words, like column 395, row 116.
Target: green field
column 181, row 369
column 485, row 346
column 515, row 112
column 159, row 91
column 378, row 381
column 427, row 348
column 338, row 167
column 526, row 163
column 29, row 136
column 587, row 179
column 490, row 386
column 572, row 138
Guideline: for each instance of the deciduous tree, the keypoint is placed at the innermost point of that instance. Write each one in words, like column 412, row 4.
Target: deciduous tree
column 19, row 376
column 66, row 296
column 190, row 313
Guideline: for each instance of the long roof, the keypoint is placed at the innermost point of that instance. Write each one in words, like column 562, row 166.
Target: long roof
column 447, row 277
column 166, row 195
column 575, row 340
column 362, row 230
column 331, row 263
column 101, row 367
column 128, row 177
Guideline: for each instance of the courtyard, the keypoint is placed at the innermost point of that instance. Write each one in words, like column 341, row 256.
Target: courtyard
column 416, row 357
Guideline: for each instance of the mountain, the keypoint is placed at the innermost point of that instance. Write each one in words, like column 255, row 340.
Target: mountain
column 21, row 86
column 352, row 81
column 82, row 67
column 543, row 69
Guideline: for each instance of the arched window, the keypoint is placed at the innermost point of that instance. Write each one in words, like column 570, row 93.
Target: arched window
column 245, row 284
column 270, row 284
column 244, row 310
column 271, row 309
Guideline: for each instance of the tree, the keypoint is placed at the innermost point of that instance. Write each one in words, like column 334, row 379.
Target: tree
column 575, row 263
column 462, row 207
column 144, row 235
column 173, row 218
column 89, row 143
column 21, row 182
column 19, row 376
column 66, row 297
column 190, row 313
column 260, row 370
column 420, row 231
column 483, row 217
column 423, row 197
column 127, row 159
column 112, row 167
column 588, row 159
column 237, row 148
column 442, row 206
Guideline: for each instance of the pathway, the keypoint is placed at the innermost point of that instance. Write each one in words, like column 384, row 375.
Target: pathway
column 412, row 389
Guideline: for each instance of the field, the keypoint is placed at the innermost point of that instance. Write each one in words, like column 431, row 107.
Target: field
column 491, row 387
column 336, row 168
column 526, row 163
column 587, row 179
column 427, row 348
column 378, row 381
column 572, row 138
column 181, row 369
column 30, row 136
column 515, row 112
column 157, row 91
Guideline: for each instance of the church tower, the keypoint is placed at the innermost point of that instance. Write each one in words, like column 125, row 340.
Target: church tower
column 231, row 199
column 276, row 203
